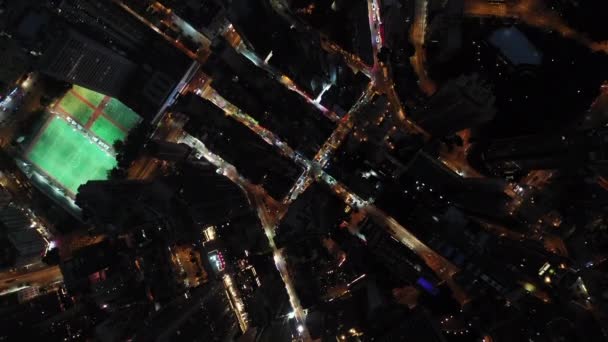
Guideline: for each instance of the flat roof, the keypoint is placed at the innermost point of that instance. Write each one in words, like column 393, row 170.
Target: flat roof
column 516, row 47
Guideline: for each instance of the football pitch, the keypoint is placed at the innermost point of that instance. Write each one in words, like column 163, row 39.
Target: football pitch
column 73, row 146
column 68, row 156
column 106, row 117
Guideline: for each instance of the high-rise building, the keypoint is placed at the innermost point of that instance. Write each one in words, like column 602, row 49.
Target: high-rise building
column 87, row 266
column 297, row 53
column 208, row 14
column 165, row 150
column 198, row 195
column 14, row 62
column 311, row 216
column 181, row 319
column 446, row 30
column 547, row 151
column 5, row 197
column 258, row 94
column 21, row 244
column 47, row 316
column 463, row 102
column 400, row 262
column 106, row 49
column 430, row 185
column 14, row 218
column 77, row 59
column 106, row 21
column 119, row 205
column 252, row 156
column 212, row 199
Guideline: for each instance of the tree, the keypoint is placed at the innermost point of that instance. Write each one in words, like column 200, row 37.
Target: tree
column 117, row 173
column 129, row 150
column 53, row 89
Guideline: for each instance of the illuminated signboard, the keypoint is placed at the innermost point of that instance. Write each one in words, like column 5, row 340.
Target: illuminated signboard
column 217, row 261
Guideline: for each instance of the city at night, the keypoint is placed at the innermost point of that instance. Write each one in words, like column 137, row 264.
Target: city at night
column 304, row 170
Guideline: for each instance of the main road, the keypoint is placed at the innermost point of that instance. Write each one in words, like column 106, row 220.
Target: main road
column 534, row 13
column 417, row 38
column 268, row 211
column 382, row 78
column 442, row 267
column 382, row 82
column 237, row 43
column 40, row 277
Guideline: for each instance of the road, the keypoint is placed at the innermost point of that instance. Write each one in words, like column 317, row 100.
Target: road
column 168, row 126
column 268, row 211
column 443, row 268
column 269, row 220
column 327, row 44
column 534, row 13
column 456, row 159
column 382, row 78
column 10, row 102
column 334, row 141
column 18, row 106
column 417, row 38
column 271, row 212
column 40, row 277
column 232, row 36
column 169, row 129
column 351, row 59
column 175, row 29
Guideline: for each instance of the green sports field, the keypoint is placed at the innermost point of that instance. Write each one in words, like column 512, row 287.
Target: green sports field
column 106, row 117
column 71, row 155
column 68, row 156
column 105, row 130
column 91, row 96
column 121, row 114
column 71, row 104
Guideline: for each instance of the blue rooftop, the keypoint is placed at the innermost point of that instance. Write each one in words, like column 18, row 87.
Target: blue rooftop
column 515, row 46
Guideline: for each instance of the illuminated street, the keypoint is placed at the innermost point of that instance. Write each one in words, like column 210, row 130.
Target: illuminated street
column 417, row 37
column 267, row 218
column 303, row 170
column 381, row 75
column 534, row 13
column 38, row 277
column 283, row 79
column 316, row 168
column 441, row 266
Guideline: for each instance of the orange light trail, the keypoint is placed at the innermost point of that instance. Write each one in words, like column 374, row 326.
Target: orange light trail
column 533, row 13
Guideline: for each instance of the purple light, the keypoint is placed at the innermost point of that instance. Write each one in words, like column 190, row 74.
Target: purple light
column 427, row 286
